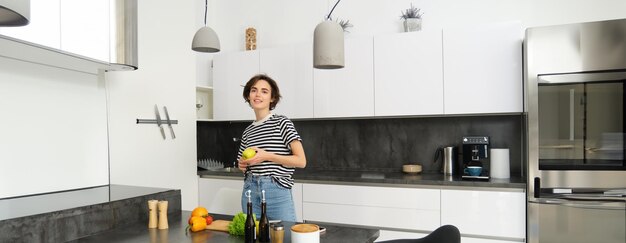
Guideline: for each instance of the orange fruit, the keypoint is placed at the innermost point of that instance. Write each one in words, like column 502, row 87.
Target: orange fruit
column 199, row 211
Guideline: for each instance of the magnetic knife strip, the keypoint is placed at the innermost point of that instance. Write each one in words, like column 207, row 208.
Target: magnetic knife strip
column 169, row 122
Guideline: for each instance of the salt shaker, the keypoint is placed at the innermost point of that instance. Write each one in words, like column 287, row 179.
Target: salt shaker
column 152, row 214
column 162, row 205
column 278, row 233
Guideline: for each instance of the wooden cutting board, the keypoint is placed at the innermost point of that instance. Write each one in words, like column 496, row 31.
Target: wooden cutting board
column 219, row 225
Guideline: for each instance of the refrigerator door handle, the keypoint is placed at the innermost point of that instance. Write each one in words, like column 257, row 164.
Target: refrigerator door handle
column 587, row 204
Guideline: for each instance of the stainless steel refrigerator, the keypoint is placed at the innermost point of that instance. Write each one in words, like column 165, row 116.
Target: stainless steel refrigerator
column 574, row 101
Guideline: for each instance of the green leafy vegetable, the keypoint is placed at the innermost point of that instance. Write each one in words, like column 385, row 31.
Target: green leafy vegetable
column 238, row 225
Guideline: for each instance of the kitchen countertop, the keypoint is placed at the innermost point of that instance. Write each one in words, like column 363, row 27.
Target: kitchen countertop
column 139, row 232
column 395, row 179
column 69, row 215
column 56, row 201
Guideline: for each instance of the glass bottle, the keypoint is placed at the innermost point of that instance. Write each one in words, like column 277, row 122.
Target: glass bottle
column 250, row 230
column 264, row 224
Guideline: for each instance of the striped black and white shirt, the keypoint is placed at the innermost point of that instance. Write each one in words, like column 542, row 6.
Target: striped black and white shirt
column 273, row 134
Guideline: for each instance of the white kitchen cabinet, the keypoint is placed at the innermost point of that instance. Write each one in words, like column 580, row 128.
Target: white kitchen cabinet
column 483, row 240
column 482, row 68
column 75, row 26
column 296, row 193
column 231, row 71
column 292, row 69
column 385, row 235
column 485, row 213
column 408, row 74
column 43, row 27
column 221, row 196
column 347, row 92
column 290, row 66
column 399, row 208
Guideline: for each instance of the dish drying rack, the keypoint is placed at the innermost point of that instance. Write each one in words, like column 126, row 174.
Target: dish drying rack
column 210, row 164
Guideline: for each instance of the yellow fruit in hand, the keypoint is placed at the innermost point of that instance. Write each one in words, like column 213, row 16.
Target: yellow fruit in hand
column 248, row 153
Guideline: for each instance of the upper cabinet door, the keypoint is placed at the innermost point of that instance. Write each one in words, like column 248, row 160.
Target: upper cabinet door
column 408, row 74
column 231, row 71
column 347, row 92
column 44, row 24
column 85, row 28
column 75, row 26
column 483, row 69
column 292, row 69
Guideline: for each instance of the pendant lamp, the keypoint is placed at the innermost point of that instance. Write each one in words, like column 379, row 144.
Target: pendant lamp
column 328, row 48
column 14, row 12
column 205, row 39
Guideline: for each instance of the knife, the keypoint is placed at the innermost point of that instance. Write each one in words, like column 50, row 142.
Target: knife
column 158, row 118
column 169, row 122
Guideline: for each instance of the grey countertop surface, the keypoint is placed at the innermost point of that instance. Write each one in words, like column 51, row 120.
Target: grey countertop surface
column 139, row 232
column 387, row 178
column 56, row 201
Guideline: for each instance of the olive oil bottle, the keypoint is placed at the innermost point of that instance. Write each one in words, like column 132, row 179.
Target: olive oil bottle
column 250, row 229
column 264, row 224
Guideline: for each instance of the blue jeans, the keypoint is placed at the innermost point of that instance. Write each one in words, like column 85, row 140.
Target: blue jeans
column 279, row 202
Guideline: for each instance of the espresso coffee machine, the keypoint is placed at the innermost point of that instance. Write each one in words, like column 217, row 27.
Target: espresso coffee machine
column 475, row 153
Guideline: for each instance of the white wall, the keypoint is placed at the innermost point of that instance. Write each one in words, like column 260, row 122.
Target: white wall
column 286, row 21
column 53, row 131
column 166, row 76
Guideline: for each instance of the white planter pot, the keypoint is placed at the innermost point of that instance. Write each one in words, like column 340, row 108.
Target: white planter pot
column 412, row 24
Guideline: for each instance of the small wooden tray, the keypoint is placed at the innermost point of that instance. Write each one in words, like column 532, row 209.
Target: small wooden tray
column 219, row 225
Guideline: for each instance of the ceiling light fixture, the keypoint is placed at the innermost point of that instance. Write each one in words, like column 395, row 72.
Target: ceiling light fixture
column 205, row 39
column 14, row 13
column 328, row 49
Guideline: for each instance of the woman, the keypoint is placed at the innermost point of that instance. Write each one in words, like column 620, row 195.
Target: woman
column 278, row 152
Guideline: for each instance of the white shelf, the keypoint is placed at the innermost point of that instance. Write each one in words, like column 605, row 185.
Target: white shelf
column 204, row 96
column 207, row 120
column 203, row 88
column 31, row 52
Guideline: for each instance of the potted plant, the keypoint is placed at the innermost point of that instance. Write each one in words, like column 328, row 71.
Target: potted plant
column 412, row 19
column 345, row 25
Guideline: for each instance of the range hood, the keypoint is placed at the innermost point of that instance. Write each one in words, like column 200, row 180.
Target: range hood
column 123, row 56
column 14, row 12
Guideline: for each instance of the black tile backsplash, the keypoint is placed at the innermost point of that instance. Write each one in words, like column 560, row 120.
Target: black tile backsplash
column 375, row 144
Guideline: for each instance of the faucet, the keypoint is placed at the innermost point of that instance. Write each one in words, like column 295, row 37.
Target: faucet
column 236, row 142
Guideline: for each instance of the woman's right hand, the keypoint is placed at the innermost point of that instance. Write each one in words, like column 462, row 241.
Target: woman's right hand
column 242, row 166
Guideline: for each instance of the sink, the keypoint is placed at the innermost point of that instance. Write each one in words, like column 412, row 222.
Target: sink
column 227, row 169
column 372, row 175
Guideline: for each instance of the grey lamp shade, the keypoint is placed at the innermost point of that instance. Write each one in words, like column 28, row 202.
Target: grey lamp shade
column 328, row 51
column 14, row 12
column 205, row 40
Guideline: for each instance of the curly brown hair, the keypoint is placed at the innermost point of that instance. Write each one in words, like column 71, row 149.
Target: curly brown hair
column 275, row 92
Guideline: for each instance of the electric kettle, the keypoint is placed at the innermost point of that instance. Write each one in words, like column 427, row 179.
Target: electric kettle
column 448, row 165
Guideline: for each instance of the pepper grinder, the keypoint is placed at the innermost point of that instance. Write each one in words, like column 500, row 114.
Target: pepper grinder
column 152, row 214
column 162, row 205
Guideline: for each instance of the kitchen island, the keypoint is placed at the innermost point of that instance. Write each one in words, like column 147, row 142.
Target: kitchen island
column 139, row 232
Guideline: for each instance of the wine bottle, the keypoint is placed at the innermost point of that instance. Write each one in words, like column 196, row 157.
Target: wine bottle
column 264, row 224
column 250, row 229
